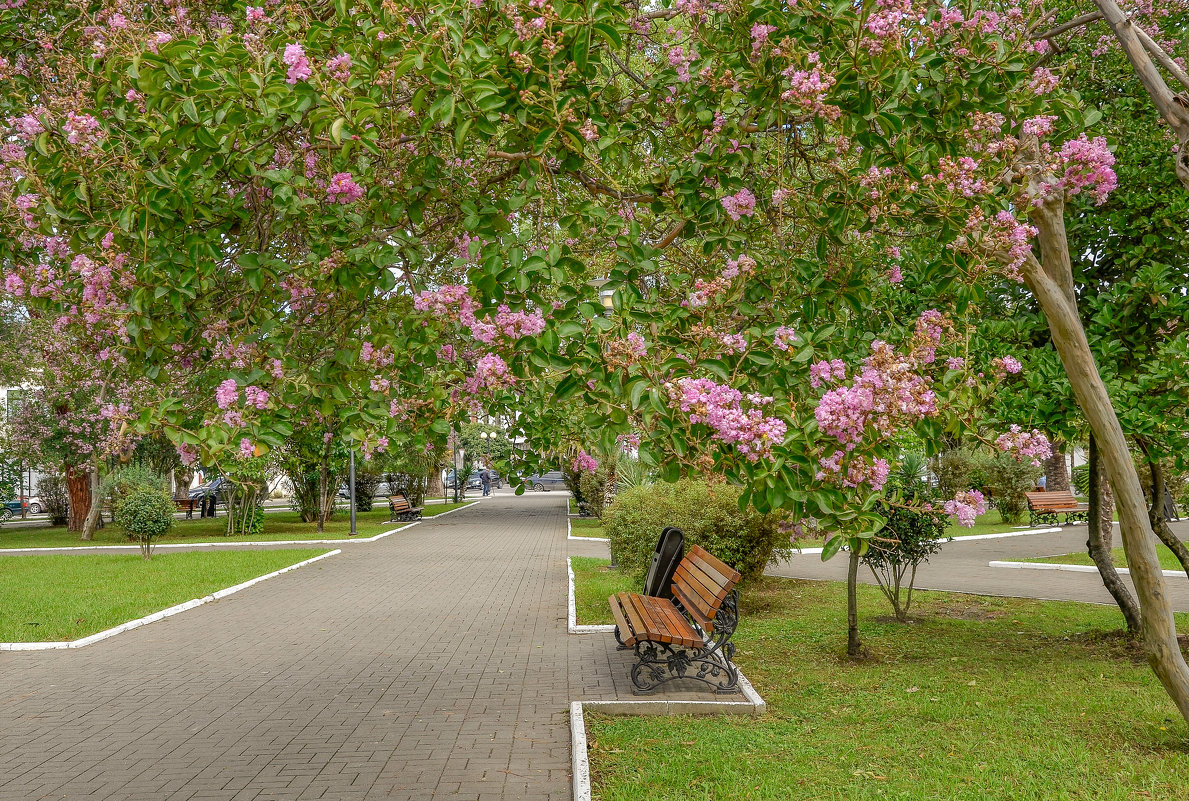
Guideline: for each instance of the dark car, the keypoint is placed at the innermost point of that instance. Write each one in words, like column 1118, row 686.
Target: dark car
column 10, row 509
column 211, row 488
column 545, row 481
column 473, row 481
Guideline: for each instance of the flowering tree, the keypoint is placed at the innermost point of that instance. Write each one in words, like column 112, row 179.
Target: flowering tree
column 432, row 188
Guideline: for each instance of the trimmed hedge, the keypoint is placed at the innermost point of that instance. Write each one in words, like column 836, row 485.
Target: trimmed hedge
column 708, row 514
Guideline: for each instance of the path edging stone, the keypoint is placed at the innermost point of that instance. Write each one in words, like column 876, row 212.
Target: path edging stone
column 1073, row 568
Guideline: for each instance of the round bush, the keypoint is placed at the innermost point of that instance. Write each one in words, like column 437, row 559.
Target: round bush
column 145, row 514
column 709, row 515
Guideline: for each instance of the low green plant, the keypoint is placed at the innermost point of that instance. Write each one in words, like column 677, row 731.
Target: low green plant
column 956, row 471
column 906, row 541
column 146, row 514
column 708, row 514
column 54, row 499
column 1081, row 479
column 1006, row 481
column 366, row 483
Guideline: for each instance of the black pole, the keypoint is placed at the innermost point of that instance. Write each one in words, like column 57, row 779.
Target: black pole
column 351, row 491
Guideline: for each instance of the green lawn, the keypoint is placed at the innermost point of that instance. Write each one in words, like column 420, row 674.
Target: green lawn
column 587, row 527
column 64, row 597
column 277, row 526
column 981, row 698
column 990, row 523
column 1168, row 559
column 594, row 583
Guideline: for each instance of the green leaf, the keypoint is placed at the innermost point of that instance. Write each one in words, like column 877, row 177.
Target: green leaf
column 336, row 130
column 832, row 547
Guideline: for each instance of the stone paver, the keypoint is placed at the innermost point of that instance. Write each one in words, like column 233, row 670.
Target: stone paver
column 433, row 664
column 962, row 566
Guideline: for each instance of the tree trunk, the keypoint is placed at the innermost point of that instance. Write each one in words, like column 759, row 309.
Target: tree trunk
column 78, row 486
column 1156, row 513
column 1056, row 476
column 1100, row 539
column 1052, row 284
column 96, row 503
column 182, row 478
column 854, row 646
column 611, row 484
column 434, row 486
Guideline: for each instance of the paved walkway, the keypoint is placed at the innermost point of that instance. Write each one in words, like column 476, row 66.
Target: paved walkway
column 433, row 664
column 962, row 566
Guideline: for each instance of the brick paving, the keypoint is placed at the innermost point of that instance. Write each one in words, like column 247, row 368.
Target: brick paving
column 433, row 664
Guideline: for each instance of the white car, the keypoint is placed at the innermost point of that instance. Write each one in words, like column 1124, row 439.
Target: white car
column 35, row 507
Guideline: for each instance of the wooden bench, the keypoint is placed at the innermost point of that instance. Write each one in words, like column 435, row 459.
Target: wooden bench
column 686, row 637
column 187, row 505
column 1043, row 507
column 402, row 510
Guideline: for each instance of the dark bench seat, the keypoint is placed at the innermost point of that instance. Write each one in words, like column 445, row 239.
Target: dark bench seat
column 402, row 510
column 187, row 505
column 687, row 636
column 1043, row 507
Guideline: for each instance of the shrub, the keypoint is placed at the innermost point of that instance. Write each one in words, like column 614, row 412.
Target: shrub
column 593, row 490
column 127, row 481
column 709, row 515
column 907, row 540
column 1006, row 481
column 145, row 514
column 54, row 499
column 956, row 471
column 366, row 483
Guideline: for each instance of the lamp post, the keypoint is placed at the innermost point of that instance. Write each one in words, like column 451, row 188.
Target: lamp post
column 454, row 463
column 351, row 491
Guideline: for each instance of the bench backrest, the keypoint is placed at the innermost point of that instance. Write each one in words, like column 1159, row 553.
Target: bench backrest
column 1051, row 500
column 701, row 583
column 399, row 503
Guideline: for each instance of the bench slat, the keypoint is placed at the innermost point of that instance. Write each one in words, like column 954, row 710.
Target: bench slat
column 626, row 633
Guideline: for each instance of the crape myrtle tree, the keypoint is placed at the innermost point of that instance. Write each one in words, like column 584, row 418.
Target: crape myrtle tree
column 742, row 178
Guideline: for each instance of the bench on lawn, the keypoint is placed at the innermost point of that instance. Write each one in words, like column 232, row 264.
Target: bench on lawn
column 402, row 510
column 187, row 505
column 686, row 637
column 1043, row 507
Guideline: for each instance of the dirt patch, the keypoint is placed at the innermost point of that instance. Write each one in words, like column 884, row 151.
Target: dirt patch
column 1118, row 645
column 966, row 611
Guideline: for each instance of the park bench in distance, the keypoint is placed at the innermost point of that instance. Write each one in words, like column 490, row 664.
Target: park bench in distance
column 1043, row 507
column 402, row 510
column 187, row 505
column 687, row 637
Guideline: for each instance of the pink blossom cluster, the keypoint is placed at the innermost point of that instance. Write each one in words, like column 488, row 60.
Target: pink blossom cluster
column 83, row 130
column 1004, row 237
column 188, row 454
column 227, row 393
column 370, row 448
column 743, row 265
column 721, row 408
column 759, row 36
column 255, row 396
column 491, row 373
column 740, row 204
column 784, row 339
column 1006, row 365
column 339, row 67
column 889, row 394
column 1031, row 445
column 1043, row 81
column 1088, row 164
column 824, row 372
column 966, row 506
column 680, row 59
column 1040, row 126
column 299, row 65
column 884, row 22
column 808, row 88
column 378, row 357
column 637, row 345
column 584, row 463
column 343, row 189
column 860, row 470
column 958, row 175
column 246, row 449
column 734, row 343
column 451, row 301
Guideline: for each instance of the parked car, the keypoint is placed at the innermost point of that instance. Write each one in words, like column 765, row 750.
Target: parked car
column 35, row 505
column 10, row 509
column 210, row 488
column 545, row 481
column 472, row 482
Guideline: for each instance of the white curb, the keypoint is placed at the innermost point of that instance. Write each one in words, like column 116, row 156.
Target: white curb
column 1073, row 568
column 164, row 613
column 579, row 758
column 238, row 544
column 1001, row 535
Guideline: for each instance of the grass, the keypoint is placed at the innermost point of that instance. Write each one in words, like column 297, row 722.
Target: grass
column 52, row 597
column 277, row 526
column 978, row 699
column 587, row 527
column 594, row 583
column 1168, row 560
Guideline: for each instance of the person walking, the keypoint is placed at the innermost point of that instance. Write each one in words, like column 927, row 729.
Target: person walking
column 485, row 478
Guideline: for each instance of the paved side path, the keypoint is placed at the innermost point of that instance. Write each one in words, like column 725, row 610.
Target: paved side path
column 962, row 566
column 429, row 665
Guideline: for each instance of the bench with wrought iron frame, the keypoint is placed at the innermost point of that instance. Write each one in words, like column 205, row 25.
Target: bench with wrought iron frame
column 187, row 505
column 1043, row 507
column 402, row 510
column 688, row 636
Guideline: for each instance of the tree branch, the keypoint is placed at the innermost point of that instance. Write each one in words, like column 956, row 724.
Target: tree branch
column 1161, row 57
column 1076, row 22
